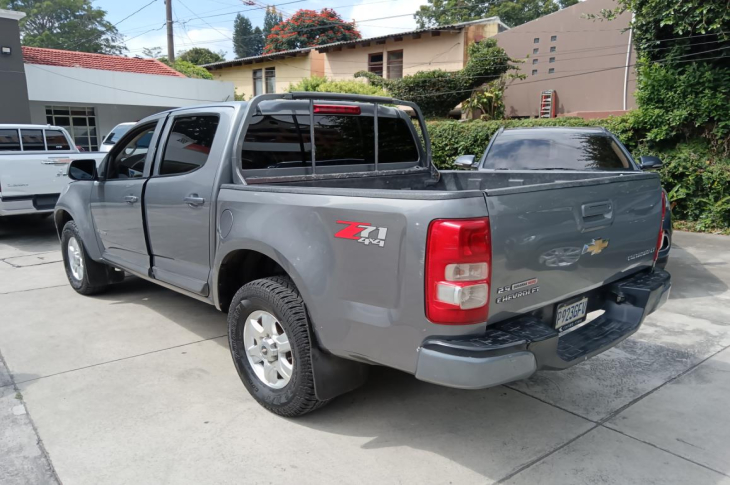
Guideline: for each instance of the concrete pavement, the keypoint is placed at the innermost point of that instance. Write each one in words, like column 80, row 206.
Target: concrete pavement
column 137, row 386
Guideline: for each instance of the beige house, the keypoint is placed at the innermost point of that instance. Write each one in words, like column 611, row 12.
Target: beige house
column 390, row 56
column 271, row 73
column 586, row 62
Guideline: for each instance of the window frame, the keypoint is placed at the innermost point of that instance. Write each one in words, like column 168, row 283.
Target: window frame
column 165, row 135
column 387, row 67
column 551, row 70
column 128, row 136
column 536, row 40
column 381, row 63
column 534, row 72
column 261, row 78
column 554, row 38
column 535, row 51
column 51, row 120
column 267, row 70
column 553, row 48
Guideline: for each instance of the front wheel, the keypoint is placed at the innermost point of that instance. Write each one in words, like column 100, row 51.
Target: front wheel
column 78, row 263
column 268, row 332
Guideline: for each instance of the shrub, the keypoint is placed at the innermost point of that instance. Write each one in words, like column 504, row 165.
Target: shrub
column 324, row 85
column 438, row 92
column 696, row 176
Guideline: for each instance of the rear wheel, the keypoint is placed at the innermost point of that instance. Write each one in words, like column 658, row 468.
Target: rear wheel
column 78, row 263
column 268, row 332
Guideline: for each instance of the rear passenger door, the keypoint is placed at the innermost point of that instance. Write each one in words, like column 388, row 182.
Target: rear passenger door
column 179, row 197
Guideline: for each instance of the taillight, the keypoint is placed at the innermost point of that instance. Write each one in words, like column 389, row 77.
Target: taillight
column 336, row 109
column 661, row 227
column 458, row 270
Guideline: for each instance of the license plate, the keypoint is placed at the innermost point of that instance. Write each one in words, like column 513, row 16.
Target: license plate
column 571, row 314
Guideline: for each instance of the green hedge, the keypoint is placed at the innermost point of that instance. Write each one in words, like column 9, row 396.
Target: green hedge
column 697, row 178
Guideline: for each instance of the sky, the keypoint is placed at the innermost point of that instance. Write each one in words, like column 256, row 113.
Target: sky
column 209, row 23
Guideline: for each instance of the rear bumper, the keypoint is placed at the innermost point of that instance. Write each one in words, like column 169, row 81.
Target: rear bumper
column 515, row 349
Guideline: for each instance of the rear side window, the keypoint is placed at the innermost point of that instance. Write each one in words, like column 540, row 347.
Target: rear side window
column 9, row 140
column 283, row 141
column 55, row 140
column 32, row 140
column 188, row 144
column 564, row 150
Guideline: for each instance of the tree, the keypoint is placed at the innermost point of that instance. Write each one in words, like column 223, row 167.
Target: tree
column 511, row 12
column 308, row 28
column 247, row 41
column 683, row 68
column 200, row 56
column 272, row 18
column 153, row 52
column 74, row 25
column 438, row 92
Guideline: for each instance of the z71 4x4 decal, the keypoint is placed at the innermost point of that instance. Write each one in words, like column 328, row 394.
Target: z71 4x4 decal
column 363, row 232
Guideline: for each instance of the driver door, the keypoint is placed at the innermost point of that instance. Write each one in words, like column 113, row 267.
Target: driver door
column 116, row 200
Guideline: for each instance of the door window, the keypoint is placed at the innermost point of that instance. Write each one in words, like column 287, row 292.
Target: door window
column 9, row 140
column 188, row 144
column 32, row 140
column 128, row 161
column 257, row 82
column 395, row 64
column 55, row 140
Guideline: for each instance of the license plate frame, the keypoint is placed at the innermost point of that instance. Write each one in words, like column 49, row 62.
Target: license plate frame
column 570, row 314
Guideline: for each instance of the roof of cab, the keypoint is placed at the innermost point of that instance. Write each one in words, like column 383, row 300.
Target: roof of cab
column 28, row 127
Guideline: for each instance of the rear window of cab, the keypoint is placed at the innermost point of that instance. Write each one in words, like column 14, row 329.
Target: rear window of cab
column 283, row 141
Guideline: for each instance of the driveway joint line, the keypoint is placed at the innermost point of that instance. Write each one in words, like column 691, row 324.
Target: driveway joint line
column 552, row 404
column 665, row 450
column 32, row 289
column 39, row 440
column 540, row 458
column 120, row 359
column 601, row 422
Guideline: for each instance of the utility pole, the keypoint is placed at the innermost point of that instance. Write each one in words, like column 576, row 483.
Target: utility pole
column 170, row 42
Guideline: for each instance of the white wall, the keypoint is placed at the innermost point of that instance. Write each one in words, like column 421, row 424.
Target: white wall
column 64, row 85
column 107, row 115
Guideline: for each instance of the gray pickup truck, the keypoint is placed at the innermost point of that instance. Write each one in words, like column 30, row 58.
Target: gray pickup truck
column 318, row 222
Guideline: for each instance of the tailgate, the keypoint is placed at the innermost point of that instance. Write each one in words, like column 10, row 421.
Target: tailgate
column 551, row 242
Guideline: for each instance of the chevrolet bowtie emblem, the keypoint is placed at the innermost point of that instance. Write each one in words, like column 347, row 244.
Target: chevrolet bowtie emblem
column 595, row 247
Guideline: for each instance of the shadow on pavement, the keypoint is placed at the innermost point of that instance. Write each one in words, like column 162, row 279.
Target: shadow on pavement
column 28, row 233
column 691, row 277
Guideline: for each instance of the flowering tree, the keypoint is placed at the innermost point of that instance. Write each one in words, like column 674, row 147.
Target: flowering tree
column 308, row 28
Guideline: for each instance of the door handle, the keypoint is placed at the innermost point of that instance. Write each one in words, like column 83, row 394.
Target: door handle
column 53, row 162
column 194, row 201
column 130, row 199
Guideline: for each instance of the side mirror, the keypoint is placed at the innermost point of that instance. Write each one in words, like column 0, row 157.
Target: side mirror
column 464, row 161
column 82, row 170
column 649, row 162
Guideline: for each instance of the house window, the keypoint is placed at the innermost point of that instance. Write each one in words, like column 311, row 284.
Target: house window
column 270, row 74
column 375, row 63
column 534, row 72
column 79, row 121
column 551, row 70
column 395, row 64
column 535, row 50
column 536, row 40
column 553, row 38
column 552, row 59
column 258, row 82
column 534, row 61
column 552, row 48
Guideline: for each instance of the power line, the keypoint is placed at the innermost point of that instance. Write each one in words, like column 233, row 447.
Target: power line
column 106, row 31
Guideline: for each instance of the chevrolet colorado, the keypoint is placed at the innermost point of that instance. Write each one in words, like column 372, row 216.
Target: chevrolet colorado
column 318, row 222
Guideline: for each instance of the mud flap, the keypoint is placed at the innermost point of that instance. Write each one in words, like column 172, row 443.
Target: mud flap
column 334, row 375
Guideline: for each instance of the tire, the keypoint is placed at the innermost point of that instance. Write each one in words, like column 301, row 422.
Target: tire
column 77, row 276
column 277, row 297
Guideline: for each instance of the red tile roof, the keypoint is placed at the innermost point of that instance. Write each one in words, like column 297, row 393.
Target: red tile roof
column 55, row 57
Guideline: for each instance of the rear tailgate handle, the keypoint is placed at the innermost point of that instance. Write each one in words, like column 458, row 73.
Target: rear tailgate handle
column 130, row 199
column 597, row 214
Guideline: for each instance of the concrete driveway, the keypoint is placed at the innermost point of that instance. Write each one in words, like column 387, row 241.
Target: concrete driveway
column 137, row 386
